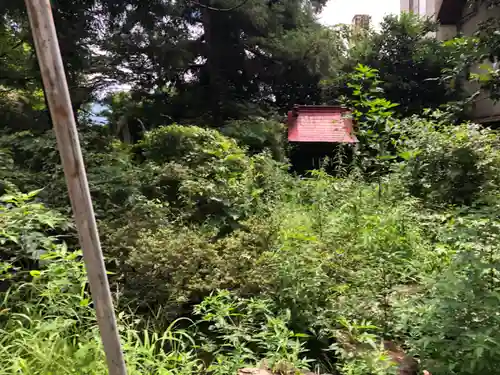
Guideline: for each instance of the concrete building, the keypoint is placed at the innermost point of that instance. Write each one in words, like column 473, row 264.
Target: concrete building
column 463, row 17
column 361, row 22
column 421, row 7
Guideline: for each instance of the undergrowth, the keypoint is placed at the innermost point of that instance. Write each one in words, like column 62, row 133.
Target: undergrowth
column 220, row 259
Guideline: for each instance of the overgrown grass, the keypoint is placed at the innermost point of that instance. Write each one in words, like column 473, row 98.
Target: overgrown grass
column 270, row 269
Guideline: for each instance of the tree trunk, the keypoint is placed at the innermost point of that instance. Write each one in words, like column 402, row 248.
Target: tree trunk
column 215, row 77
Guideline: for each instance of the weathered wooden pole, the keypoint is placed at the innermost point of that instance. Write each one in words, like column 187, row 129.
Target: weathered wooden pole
column 56, row 89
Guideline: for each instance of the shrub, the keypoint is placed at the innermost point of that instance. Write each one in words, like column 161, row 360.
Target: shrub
column 26, row 227
column 360, row 351
column 179, row 266
column 48, row 326
column 336, row 249
column 258, row 134
column 304, row 264
column 47, row 322
column 374, row 118
column 449, row 164
column 113, row 179
column 255, row 333
column 453, row 326
column 189, row 145
column 204, row 175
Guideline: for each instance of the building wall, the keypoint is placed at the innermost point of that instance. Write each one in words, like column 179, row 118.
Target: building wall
column 437, row 5
column 446, row 32
column 410, row 5
column 403, row 5
column 361, row 21
column 422, row 7
column 483, row 107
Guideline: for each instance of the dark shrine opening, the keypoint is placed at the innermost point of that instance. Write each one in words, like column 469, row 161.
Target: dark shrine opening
column 332, row 157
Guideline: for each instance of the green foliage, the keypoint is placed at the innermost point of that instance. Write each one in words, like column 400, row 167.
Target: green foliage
column 282, row 272
column 246, row 330
column 410, row 63
column 21, row 97
column 47, row 323
column 374, row 119
column 189, row 144
column 451, row 323
column 25, row 226
column 204, row 175
column 449, row 164
column 359, row 351
column 179, row 266
column 36, row 163
column 308, row 264
column 259, row 135
column 48, row 326
column 487, row 49
column 123, row 116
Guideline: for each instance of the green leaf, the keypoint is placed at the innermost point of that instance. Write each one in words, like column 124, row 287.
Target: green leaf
column 8, row 198
column 301, row 335
column 386, row 157
column 33, row 193
column 407, row 155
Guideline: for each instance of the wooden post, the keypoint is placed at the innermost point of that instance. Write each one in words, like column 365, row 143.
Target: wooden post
column 56, row 89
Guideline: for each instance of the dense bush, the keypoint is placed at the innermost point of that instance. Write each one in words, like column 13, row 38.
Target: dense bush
column 451, row 319
column 191, row 145
column 201, row 174
column 36, row 164
column 339, row 275
column 335, row 250
column 175, row 266
column 449, row 164
column 329, row 264
column 220, row 259
column 28, row 228
column 205, row 175
column 48, row 324
column 443, row 163
column 258, row 134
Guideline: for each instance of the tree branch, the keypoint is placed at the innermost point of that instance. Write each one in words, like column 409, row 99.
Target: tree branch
column 243, row 2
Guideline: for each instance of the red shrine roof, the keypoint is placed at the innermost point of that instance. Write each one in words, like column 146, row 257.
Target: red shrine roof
column 311, row 123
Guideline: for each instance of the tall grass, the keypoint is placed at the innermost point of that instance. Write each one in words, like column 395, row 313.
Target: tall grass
column 48, row 326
